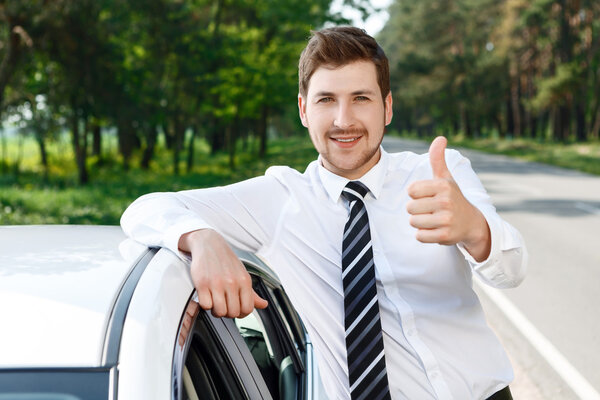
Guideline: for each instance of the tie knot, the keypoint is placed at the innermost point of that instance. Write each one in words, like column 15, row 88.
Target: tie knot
column 355, row 190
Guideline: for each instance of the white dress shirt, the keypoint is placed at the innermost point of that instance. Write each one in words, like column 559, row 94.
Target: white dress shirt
column 437, row 342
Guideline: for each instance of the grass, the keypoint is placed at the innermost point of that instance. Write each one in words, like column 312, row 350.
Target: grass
column 26, row 199
column 579, row 156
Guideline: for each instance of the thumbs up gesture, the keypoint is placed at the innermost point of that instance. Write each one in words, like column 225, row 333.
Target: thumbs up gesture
column 442, row 214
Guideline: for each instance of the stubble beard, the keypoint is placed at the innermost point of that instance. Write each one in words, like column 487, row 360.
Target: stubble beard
column 363, row 158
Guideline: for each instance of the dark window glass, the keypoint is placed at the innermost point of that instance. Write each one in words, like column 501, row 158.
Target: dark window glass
column 208, row 373
column 273, row 344
column 55, row 384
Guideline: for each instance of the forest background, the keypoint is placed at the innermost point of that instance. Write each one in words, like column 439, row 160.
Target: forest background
column 104, row 100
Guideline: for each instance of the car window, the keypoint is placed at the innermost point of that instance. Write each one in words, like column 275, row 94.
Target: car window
column 207, row 371
column 277, row 350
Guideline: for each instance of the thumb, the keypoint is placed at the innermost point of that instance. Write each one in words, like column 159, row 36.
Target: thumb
column 259, row 302
column 437, row 158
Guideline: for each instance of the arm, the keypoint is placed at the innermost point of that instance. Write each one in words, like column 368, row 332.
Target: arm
column 449, row 213
column 200, row 223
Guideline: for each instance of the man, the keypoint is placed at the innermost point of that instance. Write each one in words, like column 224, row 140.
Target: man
column 379, row 269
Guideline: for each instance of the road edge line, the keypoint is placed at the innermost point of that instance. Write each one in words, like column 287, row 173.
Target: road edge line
column 545, row 348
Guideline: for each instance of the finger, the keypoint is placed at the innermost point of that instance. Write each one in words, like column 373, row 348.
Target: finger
column 233, row 304
column 426, row 221
column 437, row 158
column 205, row 299
column 425, row 205
column 259, row 302
column 439, row 235
column 219, row 308
column 246, row 300
column 420, row 189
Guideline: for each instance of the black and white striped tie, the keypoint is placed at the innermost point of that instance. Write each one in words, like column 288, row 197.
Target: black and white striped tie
column 364, row 340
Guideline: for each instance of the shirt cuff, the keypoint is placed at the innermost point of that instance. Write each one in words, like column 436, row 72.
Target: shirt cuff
column 505, row 265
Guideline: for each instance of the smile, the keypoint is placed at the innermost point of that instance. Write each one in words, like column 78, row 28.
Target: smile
column 346, row 140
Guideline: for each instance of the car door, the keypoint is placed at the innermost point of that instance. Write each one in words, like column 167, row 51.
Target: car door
column 211, row 360
column 264, row 355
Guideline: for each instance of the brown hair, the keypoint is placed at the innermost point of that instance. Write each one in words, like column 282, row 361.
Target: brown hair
column 339, row 46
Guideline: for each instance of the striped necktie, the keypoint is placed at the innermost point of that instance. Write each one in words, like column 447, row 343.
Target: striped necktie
column 364, row 340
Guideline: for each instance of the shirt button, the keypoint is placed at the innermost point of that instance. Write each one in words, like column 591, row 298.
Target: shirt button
column 410, row 332
column 434, row 375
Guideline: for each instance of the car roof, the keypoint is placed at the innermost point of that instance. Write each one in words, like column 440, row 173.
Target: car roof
column 58, row 285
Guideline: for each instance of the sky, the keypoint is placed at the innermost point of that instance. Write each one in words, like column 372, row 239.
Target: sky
column 373, row 24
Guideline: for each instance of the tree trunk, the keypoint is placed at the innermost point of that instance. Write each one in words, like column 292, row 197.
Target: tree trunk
column 11, row 56
column 230, row 140
column 595, row 133
column 151, row 136
column 125, row 142
column 580, row 126
column 465, row 122
column 39, row 137
column 79, row 150
column 516, row 107
column 217, row 142
column 178, row 133
column 3, row 160
column 97, row 141
column 191, row 150
column 262, row 132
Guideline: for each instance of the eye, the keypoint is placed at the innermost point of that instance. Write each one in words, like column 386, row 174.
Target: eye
column 325, row 100
column 362, row 98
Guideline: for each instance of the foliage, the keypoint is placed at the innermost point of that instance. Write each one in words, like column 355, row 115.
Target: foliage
column 220, row 69
column 522, row 68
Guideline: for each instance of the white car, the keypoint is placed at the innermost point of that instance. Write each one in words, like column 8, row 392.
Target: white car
column 88, row 314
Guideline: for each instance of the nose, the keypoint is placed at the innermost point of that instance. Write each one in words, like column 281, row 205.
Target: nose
column 344, row 116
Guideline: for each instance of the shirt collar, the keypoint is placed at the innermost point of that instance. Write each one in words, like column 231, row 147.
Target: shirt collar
column 373, row 179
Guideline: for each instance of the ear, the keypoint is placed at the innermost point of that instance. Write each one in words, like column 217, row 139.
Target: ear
column 302, row 110
column 389, row 112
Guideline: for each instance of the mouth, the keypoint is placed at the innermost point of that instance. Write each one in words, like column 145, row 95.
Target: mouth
column 346, row 140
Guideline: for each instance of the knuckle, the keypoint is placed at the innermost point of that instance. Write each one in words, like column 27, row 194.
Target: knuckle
column 219, row 312
column 412, row 220
column 202, row 282
column 246, row 309
column 445, row 202
column 245, row 279
column 445, row 219
column 228, row 281
column 444, row 236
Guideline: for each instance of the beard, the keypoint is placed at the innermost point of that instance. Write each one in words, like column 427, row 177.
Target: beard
column 351, row 163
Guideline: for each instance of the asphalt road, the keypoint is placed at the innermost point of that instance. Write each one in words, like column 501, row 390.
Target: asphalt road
column 557, row 355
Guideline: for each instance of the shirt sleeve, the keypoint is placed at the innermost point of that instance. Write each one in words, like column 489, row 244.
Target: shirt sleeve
column 506, row 264
column 245, row 213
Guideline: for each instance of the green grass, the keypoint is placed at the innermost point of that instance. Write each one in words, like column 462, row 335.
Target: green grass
column 26, row 199
column 579, row 156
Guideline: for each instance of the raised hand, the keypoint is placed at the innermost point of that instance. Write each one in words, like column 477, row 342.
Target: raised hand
column 223, row 284
column 442, row 214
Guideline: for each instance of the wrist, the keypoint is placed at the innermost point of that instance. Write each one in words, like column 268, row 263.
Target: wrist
column 188, row 241
column 479, row 242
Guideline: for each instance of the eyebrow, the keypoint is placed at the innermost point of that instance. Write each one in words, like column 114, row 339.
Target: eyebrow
column 355, row 93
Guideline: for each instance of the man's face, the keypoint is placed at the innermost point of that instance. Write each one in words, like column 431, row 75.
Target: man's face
column 345, row 116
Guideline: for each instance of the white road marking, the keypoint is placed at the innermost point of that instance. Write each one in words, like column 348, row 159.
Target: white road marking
column 553, row 357
column 587, row 208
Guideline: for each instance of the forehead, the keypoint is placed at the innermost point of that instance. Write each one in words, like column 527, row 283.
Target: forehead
column 349, row 78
